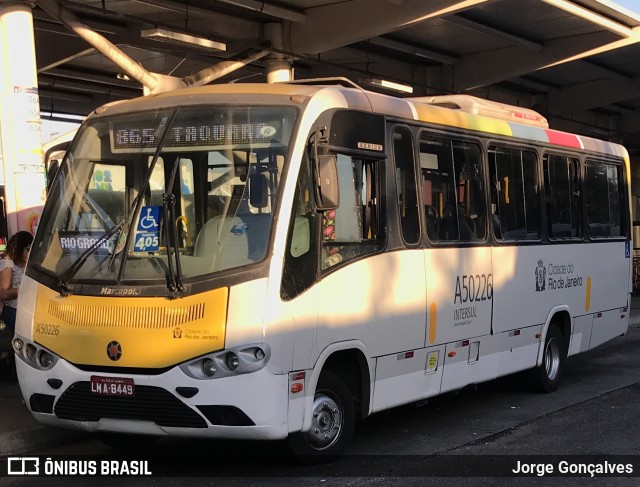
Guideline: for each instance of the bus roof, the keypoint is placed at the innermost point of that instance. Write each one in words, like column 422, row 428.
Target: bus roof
column 428, row 109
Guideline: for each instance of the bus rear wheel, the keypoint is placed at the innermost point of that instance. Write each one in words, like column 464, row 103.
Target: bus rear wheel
column 546, row 377
column 332, row 423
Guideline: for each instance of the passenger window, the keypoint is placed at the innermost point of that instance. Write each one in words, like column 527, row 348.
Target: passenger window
column 187, row 221
column 515, row 199
column 562, row 196
column 106, row 202
column 355, row 227
column 406, row 184
column 453, row 188
column 156, row 182
column 605, row 200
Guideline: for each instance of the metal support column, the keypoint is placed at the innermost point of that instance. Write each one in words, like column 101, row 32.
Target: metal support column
column 278, row 67
column 22, row 157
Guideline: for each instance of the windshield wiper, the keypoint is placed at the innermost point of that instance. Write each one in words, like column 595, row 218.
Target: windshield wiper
column 116, row 229
column 75, row 266
column 169, row 206
column 126, row 221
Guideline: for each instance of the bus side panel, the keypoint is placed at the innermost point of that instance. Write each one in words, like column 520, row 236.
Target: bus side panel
column 531, row 280
column 609, row 269
column 608, row 325
column 471, row 361
column 404, row 377
column 379, row 300
column 459, row 293
column 581, row 334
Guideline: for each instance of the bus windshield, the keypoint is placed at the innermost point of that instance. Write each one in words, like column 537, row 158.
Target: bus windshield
column 169, row 194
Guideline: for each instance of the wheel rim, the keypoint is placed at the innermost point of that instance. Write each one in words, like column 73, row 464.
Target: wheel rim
column 327, row 421
column 552, row 359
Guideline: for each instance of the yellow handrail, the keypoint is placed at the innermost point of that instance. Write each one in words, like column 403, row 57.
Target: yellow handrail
column 185, row 221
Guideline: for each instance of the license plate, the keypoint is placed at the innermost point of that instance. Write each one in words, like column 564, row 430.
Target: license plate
column 112, row 386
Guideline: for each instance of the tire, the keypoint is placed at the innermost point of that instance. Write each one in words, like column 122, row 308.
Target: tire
column 128, row 443
column 546, row 377
column 332, row 424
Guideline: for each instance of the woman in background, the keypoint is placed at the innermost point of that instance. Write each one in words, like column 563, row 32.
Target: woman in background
column 11, row 272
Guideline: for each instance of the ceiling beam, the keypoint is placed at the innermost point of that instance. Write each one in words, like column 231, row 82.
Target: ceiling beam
column 590, row 16
column 273, row 10
column 634, row 38
column 51, row 56
column 92, row 78
column 53, row 50
column 593, row 94
column 420, row 52
column 483, row 68
column 227, row 27
column 484, row 28
column 335, row 25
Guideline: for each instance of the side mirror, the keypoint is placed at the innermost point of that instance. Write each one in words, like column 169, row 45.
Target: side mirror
column 327, row 189
column 326, row 171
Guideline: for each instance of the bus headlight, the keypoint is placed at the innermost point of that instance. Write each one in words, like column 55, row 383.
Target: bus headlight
column 209, row 367
column 45, row 359
column 224, row 363
column 232, row 361
column 18, row 345
column 30, row 351
column 33, row 354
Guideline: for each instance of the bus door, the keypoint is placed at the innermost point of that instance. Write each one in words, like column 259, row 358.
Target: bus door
column 516, row 222
column 458, row 262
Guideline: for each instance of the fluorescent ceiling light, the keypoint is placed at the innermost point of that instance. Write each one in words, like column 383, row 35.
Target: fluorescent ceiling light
column 163, row 35
column 390, row 85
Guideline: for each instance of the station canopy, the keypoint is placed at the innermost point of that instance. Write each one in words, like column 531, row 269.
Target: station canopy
column 577, row 62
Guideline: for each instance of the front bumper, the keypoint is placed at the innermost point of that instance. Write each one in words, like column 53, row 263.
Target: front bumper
column 247, row 406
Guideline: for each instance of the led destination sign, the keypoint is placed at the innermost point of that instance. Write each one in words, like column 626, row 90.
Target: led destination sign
column 195, row 134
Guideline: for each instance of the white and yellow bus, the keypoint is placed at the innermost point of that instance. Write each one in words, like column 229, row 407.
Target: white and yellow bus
column 271, row 261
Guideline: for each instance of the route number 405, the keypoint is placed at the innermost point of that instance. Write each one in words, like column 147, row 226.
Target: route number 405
column 147, row 242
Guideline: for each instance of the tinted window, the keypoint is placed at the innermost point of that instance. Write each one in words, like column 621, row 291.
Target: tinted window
column 355, row 227
column 453, row 189
column 406, row 184
column 562, row 196
column 605, row 200
column 515, row 199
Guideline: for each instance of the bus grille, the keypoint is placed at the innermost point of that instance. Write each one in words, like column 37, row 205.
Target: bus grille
column 149, row 404
column 141, row 317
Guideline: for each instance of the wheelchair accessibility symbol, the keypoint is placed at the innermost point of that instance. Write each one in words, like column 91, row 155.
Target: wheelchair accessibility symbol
column 147, row 237
column 149, row 220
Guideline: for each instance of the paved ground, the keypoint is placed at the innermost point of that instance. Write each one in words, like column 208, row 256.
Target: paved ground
column 20, row 433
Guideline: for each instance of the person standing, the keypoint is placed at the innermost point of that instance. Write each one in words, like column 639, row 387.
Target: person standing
column 11, row 272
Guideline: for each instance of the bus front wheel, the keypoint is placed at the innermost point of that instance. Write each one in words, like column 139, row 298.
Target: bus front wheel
column 332, row 423
column 546, row 376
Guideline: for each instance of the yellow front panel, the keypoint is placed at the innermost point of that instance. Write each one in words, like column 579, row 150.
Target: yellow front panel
column 150, row 332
